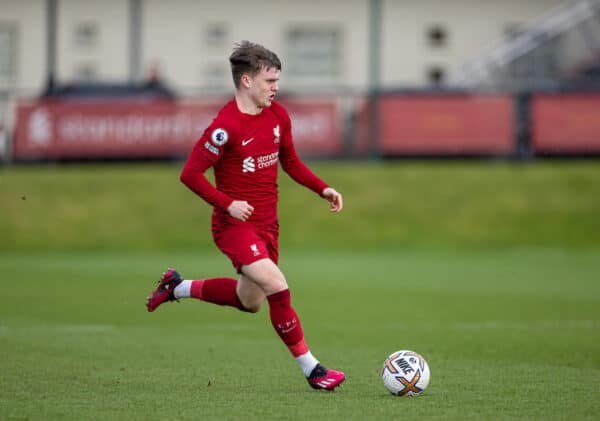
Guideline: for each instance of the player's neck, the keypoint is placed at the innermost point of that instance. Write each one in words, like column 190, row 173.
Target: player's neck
column 246, row 105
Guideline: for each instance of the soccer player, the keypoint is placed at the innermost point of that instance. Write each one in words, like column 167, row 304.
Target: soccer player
column 244, row 144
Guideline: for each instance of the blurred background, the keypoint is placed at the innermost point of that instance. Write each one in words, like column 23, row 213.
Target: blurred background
column 141, row 79
column 464, row 135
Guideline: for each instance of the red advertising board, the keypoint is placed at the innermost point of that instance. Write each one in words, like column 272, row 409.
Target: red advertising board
column 565, row 123
column 85, row 129
column 108, row 129
column 447, row 124
column 316, row 125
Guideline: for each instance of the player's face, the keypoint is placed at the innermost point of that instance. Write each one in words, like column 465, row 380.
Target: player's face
column 264, row 86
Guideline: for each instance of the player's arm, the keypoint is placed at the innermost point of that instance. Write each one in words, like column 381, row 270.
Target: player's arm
column 300, row 173
column 201, row 158
column 193, row 177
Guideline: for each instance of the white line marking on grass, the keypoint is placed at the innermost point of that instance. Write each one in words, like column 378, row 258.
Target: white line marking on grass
column 538, row 324
column 58, row 328
column 500, row 324
column 85, row 328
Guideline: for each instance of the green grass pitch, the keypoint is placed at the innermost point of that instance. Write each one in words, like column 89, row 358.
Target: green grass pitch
column 489, row 270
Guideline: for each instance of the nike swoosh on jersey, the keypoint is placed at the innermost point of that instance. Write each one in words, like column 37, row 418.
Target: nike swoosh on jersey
column 245, row 142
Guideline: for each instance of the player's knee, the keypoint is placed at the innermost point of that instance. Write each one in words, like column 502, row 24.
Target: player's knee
column 252, row 306
column 276, row 283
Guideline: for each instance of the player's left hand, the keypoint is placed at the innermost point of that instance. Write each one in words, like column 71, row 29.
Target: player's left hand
column 336, row 202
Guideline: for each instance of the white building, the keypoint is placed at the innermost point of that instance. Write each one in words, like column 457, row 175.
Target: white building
column 324, row 44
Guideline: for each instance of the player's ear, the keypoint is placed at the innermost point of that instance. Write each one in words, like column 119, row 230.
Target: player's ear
column 246, row 80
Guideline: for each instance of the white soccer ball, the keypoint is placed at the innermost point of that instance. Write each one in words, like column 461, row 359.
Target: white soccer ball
column 405, row 373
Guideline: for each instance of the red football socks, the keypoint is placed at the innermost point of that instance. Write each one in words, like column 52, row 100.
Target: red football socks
column 286, row 322
column 221, row 291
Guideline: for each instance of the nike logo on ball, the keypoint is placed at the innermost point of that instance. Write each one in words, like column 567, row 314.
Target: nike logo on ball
column 245, row 142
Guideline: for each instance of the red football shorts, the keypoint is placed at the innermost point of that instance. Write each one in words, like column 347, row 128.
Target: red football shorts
column 245, row 244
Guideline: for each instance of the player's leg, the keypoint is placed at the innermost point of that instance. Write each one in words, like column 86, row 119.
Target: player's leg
column 242, row 245
column 172, row 287
column 267, row 275
column 269, row 278
column 250, row 294
column 241, row 293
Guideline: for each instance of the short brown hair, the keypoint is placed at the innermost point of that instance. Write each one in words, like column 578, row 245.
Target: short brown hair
column 250, row 58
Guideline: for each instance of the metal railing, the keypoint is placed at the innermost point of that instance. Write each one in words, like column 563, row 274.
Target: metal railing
column 496, row 68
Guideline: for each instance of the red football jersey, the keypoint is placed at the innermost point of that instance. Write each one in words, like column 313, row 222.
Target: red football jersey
column 244, row 151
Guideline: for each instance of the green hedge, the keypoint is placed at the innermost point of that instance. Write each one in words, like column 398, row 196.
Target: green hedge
column 388, row 205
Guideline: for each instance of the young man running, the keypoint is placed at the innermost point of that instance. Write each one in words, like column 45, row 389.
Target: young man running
column 244, row 144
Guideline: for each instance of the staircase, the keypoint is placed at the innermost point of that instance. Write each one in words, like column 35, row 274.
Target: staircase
column 557, row 48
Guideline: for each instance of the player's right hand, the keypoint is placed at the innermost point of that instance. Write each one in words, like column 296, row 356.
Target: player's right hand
column 240, row 209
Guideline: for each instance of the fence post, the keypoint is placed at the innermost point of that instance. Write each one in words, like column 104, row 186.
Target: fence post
column 523, row 148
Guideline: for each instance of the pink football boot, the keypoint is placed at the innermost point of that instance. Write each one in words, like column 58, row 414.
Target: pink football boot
column 322, row 378
column 166, row 286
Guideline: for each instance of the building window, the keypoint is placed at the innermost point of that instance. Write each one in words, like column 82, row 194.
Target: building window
column 8, row 53
column 314, row 54
column 215, row 34
column 437, row 36
column 86, row 72
column 86, row 34
column 436, row 76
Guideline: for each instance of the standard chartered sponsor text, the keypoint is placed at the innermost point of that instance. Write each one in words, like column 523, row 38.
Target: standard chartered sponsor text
column 267, row 160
